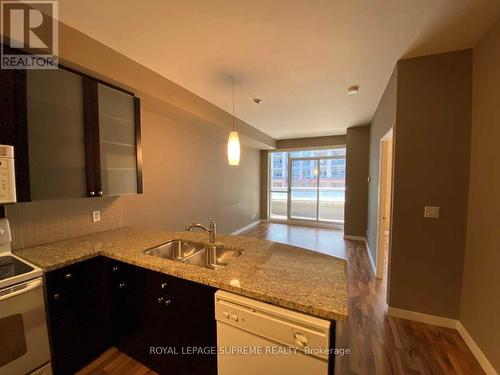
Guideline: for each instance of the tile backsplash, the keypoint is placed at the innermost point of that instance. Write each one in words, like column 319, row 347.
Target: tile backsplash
column 36, row 223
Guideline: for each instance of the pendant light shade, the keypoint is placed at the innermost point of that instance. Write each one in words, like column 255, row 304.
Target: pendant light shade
column 233, row 148
column 233, row 143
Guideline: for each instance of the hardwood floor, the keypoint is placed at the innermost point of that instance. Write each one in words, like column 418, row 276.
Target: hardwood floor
column 379, row 344
column 326, row 241
column 114, row 362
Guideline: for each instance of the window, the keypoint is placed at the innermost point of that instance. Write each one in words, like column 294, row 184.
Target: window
column 315, row 189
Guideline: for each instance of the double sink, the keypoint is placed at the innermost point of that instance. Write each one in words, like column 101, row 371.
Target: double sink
column 198, row 254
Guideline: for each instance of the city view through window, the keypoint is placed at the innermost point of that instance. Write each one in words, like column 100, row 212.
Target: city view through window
column 308, row 185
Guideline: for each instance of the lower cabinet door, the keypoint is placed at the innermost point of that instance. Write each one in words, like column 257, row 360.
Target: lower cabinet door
column 78, row 314
column 163, row 321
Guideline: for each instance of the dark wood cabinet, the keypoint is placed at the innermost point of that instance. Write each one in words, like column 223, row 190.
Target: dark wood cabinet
column 152, row 310
column 74, row 136
column 78, row 314
column 106, row 302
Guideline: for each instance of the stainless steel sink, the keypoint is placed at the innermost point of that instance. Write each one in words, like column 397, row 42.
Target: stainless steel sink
column 213, row 257
column 175, row 250
column 201, row 255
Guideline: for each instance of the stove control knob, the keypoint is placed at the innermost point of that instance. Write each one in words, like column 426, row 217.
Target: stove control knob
column 56, row 296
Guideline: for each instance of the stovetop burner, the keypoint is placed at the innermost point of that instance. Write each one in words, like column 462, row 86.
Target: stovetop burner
column 10, row 267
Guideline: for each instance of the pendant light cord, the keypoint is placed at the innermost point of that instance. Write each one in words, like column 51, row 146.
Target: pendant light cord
column 233, row 104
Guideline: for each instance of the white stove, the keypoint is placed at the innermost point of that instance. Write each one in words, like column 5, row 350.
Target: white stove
column 22, row 313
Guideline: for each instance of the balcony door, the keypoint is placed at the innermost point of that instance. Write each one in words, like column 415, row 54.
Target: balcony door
column 308, row 186
column 304, row 182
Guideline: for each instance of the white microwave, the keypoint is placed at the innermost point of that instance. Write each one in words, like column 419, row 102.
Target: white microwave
column 7, row 175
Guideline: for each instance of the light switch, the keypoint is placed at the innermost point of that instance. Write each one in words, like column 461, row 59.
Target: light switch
column 96, row 216
column 431, row 212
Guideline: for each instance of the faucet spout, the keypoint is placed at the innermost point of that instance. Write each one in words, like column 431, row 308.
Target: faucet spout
column 211, row 230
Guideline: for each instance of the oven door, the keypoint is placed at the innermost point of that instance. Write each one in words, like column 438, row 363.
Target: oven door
column 24, row 343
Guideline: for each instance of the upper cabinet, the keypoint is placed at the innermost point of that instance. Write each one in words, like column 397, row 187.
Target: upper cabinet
column 75, row 136
column 56, row 134
column 118, row 115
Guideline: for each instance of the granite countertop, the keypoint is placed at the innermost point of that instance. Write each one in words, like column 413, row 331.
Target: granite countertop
column 283, row 275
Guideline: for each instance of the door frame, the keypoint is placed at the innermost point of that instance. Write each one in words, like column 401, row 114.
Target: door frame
column 381, row 203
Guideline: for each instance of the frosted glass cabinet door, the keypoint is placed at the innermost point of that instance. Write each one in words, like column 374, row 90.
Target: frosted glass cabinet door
column 56, row 138
column 117, row 138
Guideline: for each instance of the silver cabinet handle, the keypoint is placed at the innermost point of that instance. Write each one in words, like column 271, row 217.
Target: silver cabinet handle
column 68, row 276
column 99, row 193
column 164, row 285
column 92, row 193
column 56, row 296
column 122, row 285
column 115, row 268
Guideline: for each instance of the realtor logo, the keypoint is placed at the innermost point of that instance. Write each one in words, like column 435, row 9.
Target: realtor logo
column 32, row 27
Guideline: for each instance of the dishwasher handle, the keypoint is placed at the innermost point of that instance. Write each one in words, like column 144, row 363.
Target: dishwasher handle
column 300, row 339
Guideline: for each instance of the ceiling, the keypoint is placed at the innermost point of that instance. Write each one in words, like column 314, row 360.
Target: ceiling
column 298, row 56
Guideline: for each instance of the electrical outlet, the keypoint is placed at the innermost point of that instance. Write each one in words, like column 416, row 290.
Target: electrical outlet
column 96, row 216
column 431, row 212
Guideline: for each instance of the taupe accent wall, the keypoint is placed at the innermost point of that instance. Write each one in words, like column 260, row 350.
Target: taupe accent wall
column 383, row 120
column 356, row 195
column 431, row 167
column 480, row 305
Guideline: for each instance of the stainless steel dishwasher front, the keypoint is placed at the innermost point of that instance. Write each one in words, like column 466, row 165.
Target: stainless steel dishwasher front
column 254, row 337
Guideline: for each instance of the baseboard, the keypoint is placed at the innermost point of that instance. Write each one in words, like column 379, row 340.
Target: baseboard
column 374, row 269
column 422, row 318
column 474, row 348
column 354, row 238
column 241, row 230
column 447, row 323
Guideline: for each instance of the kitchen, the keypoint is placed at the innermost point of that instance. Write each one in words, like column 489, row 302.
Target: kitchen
column 171, row 300
column 210, row 188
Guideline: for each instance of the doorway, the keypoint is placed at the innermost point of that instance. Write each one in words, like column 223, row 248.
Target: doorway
column 384, row 204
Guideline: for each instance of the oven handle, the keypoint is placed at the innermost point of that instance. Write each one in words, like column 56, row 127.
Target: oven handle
column 24, row 288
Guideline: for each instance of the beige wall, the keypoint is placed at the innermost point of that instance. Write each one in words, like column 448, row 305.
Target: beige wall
column 383, row 120
column 480, row 305
column 432, row 144
column 356, row 196
column 313, row 142
column 186, row 177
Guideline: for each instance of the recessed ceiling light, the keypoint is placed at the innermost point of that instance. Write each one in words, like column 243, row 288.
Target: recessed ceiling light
column 353, row 90
column 257, row 100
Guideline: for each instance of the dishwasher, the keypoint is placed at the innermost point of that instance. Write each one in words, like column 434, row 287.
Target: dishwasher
column 254, row 337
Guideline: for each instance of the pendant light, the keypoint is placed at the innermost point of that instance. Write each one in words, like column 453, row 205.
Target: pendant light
column 233, row 143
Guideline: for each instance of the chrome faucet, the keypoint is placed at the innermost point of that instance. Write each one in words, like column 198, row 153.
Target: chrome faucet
column 211, row 230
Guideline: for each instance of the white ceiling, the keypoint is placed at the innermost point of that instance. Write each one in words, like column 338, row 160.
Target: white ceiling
column 298, row 56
